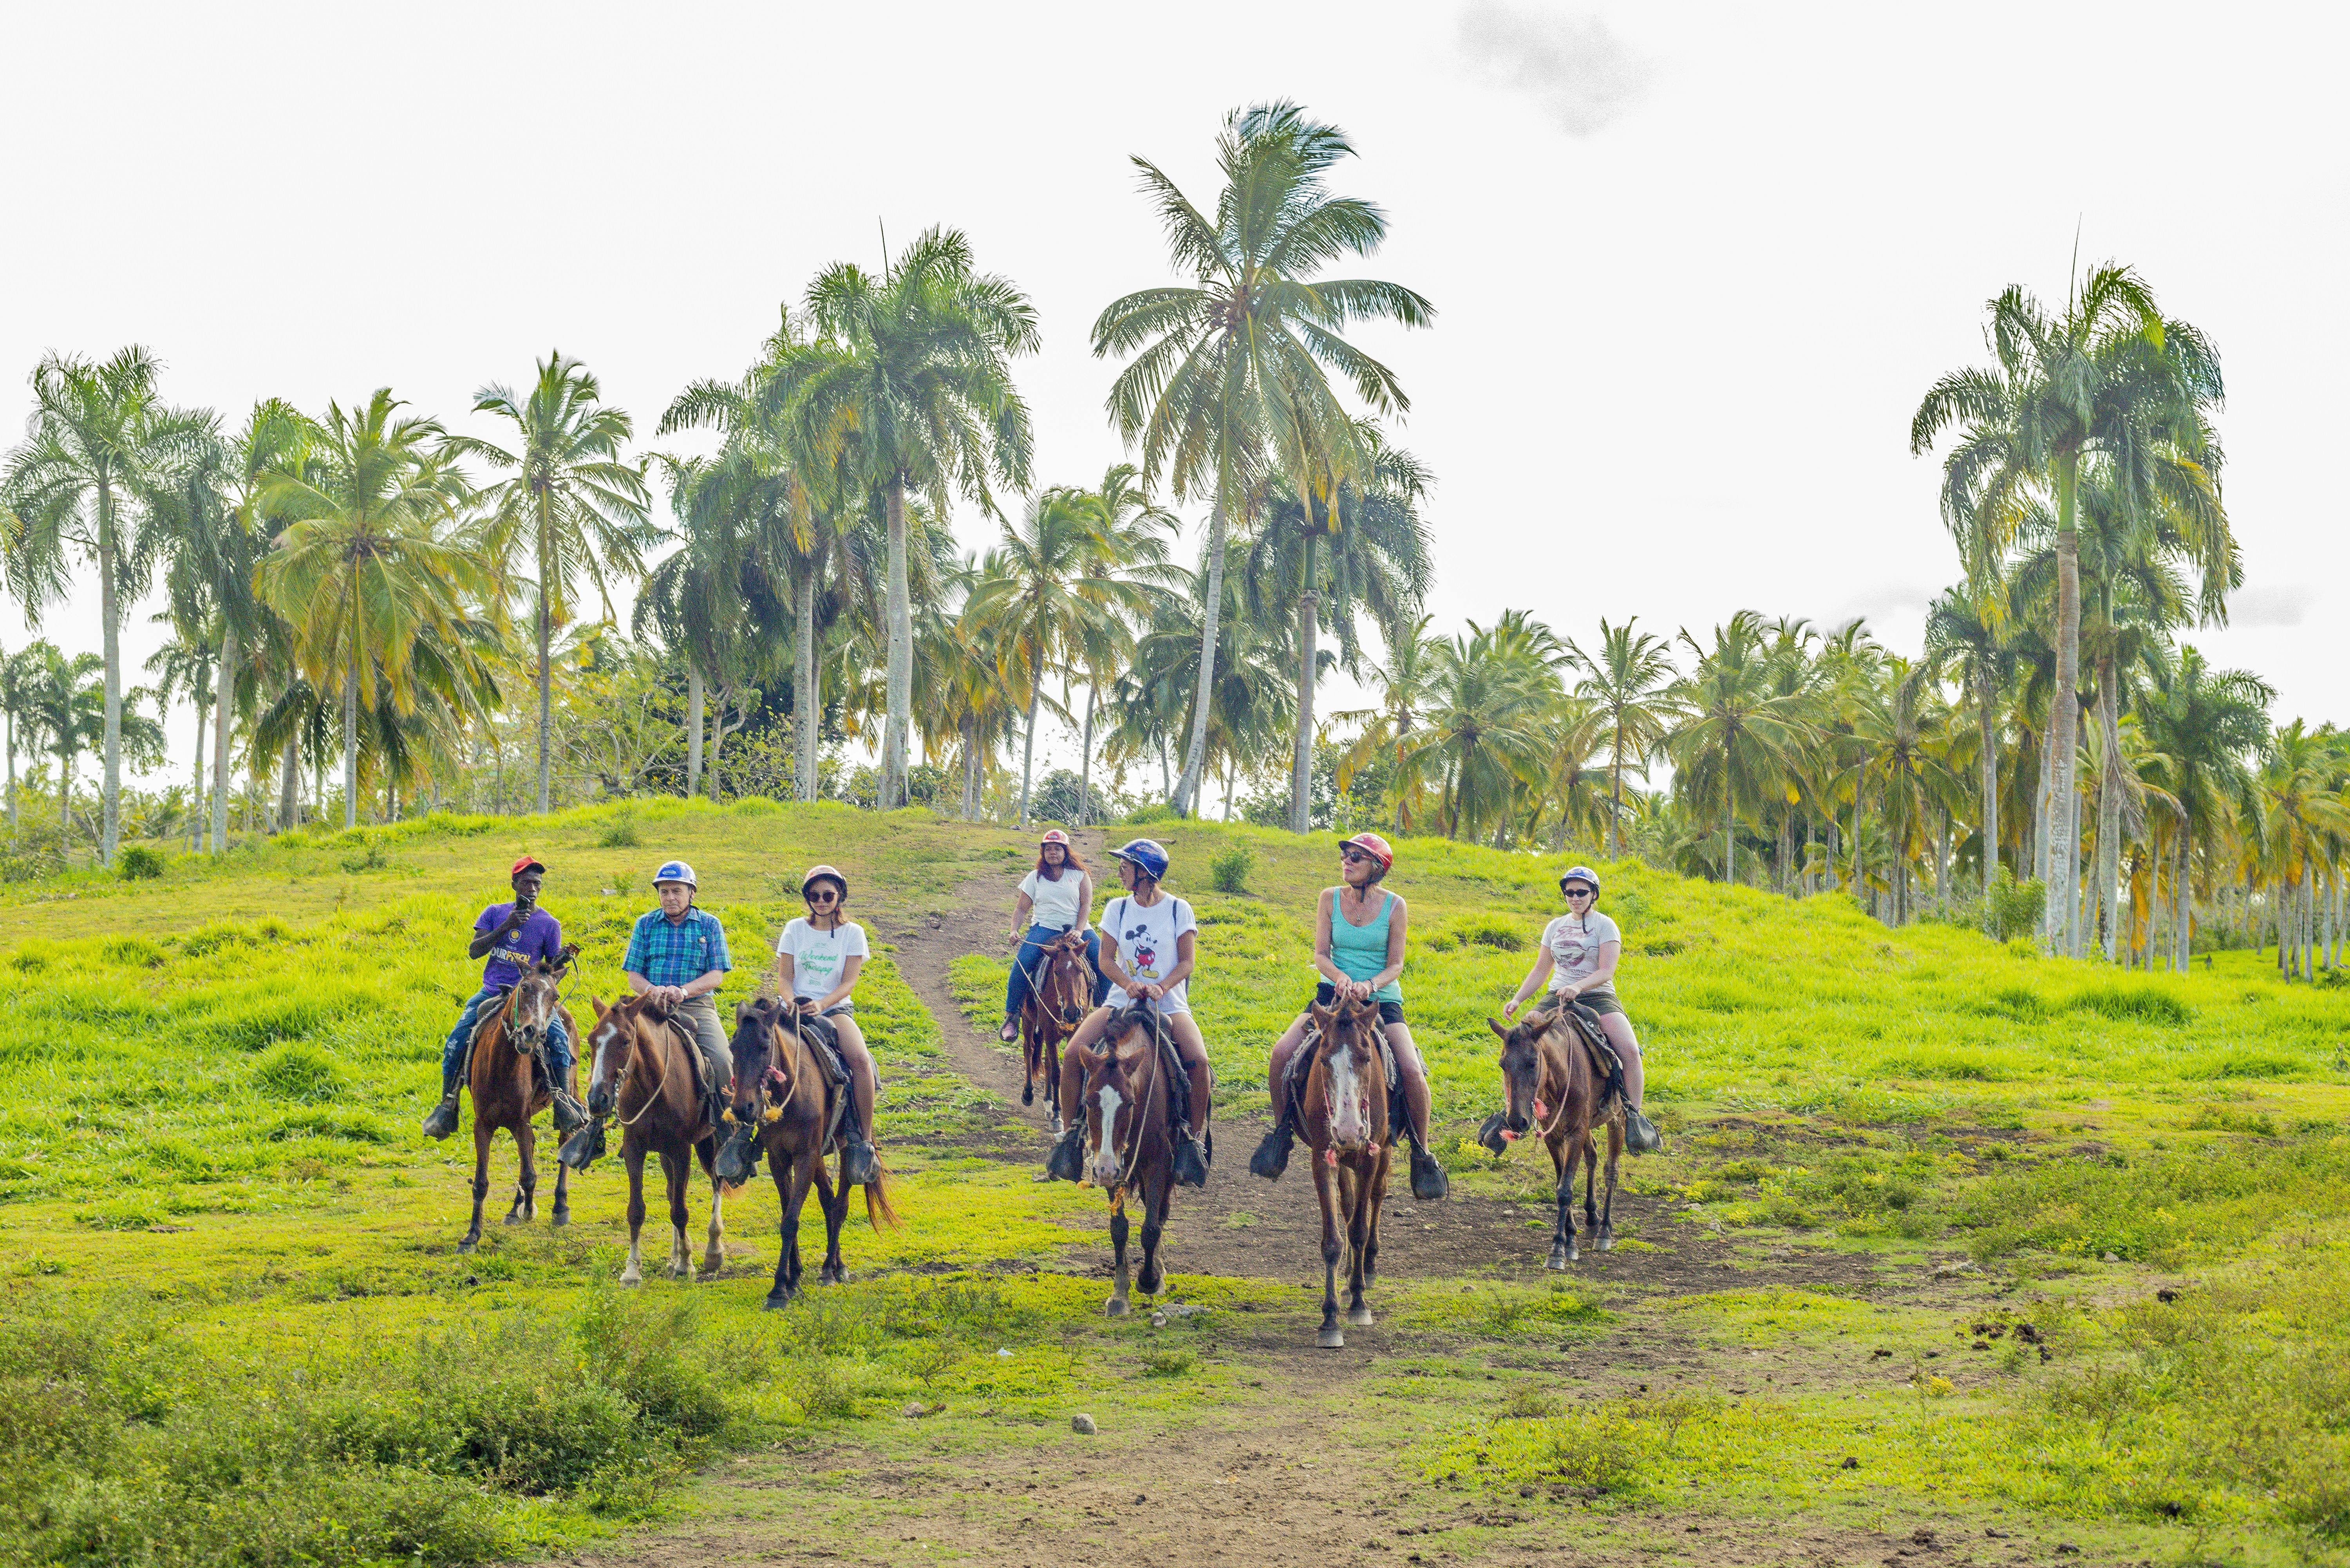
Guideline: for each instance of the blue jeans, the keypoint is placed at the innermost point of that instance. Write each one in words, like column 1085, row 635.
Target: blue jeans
column 452, row 1051
column 1028, row 963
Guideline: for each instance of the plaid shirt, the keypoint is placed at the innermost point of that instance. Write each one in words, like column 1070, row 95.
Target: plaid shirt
column 667, row 954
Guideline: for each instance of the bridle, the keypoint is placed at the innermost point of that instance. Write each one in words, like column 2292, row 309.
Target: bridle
column 1141, row 1108
column 621, row 1071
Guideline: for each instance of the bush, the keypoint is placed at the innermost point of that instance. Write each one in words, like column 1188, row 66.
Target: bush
column 1143, row 816
column 137, row 863
column 621, row 834
column 1229, row 870
column 294, row 1072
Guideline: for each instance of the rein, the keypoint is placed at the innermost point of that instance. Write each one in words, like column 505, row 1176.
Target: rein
column 621, row 1083
column 1142, row 1108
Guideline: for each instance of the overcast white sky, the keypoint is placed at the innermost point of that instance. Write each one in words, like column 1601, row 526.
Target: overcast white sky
column 1694, row 263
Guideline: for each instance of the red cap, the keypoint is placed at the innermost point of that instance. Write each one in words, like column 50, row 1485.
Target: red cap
column 527, row 863
column 1054, row 835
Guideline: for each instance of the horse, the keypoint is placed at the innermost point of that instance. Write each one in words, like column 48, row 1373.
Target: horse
column 648, row 1077
column 1128, row 1097
column 785, row 1100
column 1343, row 1115
column 507, row 1092
column 1058, row 1000
column 1547, row 1063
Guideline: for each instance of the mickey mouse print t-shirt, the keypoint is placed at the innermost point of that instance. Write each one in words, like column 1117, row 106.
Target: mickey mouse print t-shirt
column 1148, row 939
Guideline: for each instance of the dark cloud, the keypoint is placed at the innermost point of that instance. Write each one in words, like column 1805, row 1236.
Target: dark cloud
column 1581, row 74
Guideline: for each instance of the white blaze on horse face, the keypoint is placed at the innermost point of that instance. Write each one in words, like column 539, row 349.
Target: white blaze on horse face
column 1349, row 1126
column 1106, row 1140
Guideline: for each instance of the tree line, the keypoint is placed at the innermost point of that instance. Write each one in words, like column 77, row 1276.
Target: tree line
column 360, row 592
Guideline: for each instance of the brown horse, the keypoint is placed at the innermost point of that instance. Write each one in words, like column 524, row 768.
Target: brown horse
column 785, row 1101
column 647, row 1075
column 1343, row 1115
column 505, row 1080
column 1058, row 999
column 1129, row 1094
column 1557, row 1083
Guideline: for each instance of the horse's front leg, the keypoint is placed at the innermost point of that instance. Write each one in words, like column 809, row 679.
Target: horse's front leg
column 1116, row 1305
column 1032, row 1047
column 482, row 1132
column 1358, row 1239
column 561, row 1196
column 836, row 1215
column 793, row 1178
column 681, row 1256
column 1382, row 1169
column 634, row 1159
column 1331, row 1337
column 1051, row 1050
column 1563, row 1248
column 713, row 1255
column 1608, row 1209
column 526, row 1197
column 1156, row 1192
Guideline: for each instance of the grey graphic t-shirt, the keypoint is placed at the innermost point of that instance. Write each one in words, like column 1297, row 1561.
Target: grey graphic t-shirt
column 1574, row 942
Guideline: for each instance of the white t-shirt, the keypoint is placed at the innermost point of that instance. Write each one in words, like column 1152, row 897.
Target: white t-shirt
column 1149, row 943
column 1056, row 902
column 1574, row 943
column 816, row 956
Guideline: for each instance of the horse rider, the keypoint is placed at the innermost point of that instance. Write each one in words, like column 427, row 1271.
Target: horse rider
column 1149, row 941
column 1056, row 897
column 818, row 960
column 1579, row 953
column 513, row 937
column 1358, row 947
column 677, row 956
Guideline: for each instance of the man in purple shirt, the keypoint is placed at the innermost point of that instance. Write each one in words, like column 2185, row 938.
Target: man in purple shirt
column 513, row 937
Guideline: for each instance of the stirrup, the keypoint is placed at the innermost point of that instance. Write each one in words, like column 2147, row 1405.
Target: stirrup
column 1640, row 1134
column 584, row 1147
column 1489, row 1135
column 570, row 1115
column 1272, row 1155
column 1190, row 1159
column 1067, row 1161
column 1010, row 1033
column 442, row 1119
column 1429, row 1181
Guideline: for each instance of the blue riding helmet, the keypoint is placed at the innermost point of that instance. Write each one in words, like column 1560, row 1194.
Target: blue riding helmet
column 676, row 871
column 1147, row 856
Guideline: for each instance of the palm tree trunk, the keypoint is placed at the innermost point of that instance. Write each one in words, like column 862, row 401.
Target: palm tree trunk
column 1229, row 771
column 1085, row 760
column 2064, row 715
column 1195, row 754
column 223, row 701
column 196, row 777
column 969, row 768
column 546, row 686
column 696, row 701
column 2183, row 917
column 65, row 793
column 351, row 742
column 1028, row 731
column 2109, row 805
column 900, row 694
column 1986, row 721
column 289, row 787
column 10, row 718
column 110, row 784
column 1616, row 793
column 1300, row 756
column 807, row 700
column 1729, row 818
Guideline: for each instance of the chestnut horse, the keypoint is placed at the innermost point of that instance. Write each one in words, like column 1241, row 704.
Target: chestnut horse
column 1058, row 999
column 503, row 1077
column 785, row 1101
column 1555, row 1080
column 1130, row 1134
column 1343, row 1115
column 648, row 1077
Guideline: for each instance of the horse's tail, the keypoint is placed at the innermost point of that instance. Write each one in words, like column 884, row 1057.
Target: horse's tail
column 877, row 1201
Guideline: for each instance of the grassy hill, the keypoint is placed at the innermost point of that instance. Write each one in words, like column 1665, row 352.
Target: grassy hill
column 234, row 1323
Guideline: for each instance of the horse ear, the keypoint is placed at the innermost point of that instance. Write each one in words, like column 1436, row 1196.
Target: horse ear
column 597, row 1003
column 1319, row 1014
column 1497, row 1026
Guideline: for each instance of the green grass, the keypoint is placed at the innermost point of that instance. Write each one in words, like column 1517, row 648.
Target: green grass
column 235, row 1323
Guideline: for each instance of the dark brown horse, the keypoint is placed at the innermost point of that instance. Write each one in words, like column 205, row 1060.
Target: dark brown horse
column 1059, row 997
column 1129, row 1136
column 508, row 1089
column 1557, row 1083
column 1343, row 1115
column 785, row 1100
column 645, row 1074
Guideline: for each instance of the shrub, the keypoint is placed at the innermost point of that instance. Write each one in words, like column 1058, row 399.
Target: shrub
column 2144, row 1003
column 373, row 859
column 621, row 832
column 137, row 863
column 1158, row 811
column 297, row 1071
column 1229, row 870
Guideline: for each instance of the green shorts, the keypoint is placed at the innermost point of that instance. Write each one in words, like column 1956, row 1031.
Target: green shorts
column 1603, row 1005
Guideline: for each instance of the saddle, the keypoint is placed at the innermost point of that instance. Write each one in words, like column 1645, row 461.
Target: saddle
column 1605, row 1062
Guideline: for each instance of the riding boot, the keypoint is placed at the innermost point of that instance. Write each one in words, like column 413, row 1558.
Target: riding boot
column 860, row 1162
column 1489, row 1135
column 570, row 1115
column 1640, row 1134
column 1272, row 1155
column 1429, row 1181
column 442, row 1119
column 1190, row 1156
column 1067, row 1161
column 584, row 1147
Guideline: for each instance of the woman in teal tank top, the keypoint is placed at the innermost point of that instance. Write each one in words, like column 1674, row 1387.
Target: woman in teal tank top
column 1359, row 944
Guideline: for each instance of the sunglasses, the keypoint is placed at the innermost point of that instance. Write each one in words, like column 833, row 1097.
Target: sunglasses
column 1579, row 893
column 823, row 896
column 1351, row 856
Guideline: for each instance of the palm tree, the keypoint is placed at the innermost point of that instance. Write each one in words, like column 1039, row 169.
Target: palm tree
column 1625, row 680
column 2205, row 724
column 1233, row 370
column 1491, row 695
column 2299, row 809
column 68, row 713
column 181, row 667
column 362, row 572
column 1401, row 686
column 573, row 503
column 101, row 441
column 19, row 672
column 1737, row 736
column 1959, row 635
column 909, row 388
column 2108, row 379
column 1905, row 759
column 1134, row 534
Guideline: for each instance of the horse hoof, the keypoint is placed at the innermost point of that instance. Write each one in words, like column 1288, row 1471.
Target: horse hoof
column 1114, row 1307
column 1027, row 1094
column 711, row 1268
column 776, row 1303
column 467, row 1245
column 632, row 1279
column 1557, row 1259
column 1361, row 1317
column 1331, row 1338
column 562, row 1218
column 517, row 1218
column 1607, row 1243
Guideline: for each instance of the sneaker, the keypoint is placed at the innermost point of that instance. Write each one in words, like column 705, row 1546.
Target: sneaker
column 1190, row 1161
column 1272, row 1155
column 1067, row 1161
column 1640, row 1134
column 1429, row 1181
column 442, row 1119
